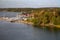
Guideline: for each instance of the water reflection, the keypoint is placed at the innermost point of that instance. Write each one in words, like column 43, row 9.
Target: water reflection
column 15, row 31
column 46, row 34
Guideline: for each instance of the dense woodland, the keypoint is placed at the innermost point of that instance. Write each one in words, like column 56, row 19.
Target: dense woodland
column 16, row 9
column 47, row 16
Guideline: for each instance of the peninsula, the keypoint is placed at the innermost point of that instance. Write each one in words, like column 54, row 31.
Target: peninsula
column 45, row 17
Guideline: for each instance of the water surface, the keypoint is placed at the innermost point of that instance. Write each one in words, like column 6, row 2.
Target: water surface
column 15, row 31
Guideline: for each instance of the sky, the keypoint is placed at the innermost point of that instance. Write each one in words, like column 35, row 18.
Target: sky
column 29, row 3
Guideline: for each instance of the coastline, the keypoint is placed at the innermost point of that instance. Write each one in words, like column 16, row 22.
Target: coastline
column 20, row 21
column 43, row 25
column 26, row 22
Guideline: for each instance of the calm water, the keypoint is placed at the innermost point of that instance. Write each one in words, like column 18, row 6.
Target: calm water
column 15, row 31
column 9, row 14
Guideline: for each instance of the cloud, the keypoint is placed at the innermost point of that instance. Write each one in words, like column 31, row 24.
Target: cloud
column 29, row 3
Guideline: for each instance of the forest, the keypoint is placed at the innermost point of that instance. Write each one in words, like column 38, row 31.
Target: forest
column 47, row 17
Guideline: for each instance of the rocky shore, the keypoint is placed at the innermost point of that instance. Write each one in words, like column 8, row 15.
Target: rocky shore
column 26, row 22
column 14, row 21
column 43, row 25
column 21, row 21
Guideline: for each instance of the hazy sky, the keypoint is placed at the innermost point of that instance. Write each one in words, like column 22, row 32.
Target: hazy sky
column 29, row 3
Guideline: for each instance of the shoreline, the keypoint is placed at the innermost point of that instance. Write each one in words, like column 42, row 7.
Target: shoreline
column 43, row 25
column 22, row 22
column 26, row 22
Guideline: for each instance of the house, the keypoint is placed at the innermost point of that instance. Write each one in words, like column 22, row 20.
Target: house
column 25, row 16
